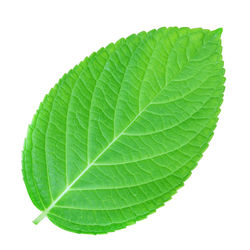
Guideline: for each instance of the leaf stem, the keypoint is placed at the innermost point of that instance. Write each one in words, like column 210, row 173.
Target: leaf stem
column 40, row 217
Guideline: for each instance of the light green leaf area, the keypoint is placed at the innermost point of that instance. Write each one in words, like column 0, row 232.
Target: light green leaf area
column 122, row 131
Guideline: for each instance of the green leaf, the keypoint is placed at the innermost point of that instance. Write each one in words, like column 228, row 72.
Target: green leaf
column 122, row 131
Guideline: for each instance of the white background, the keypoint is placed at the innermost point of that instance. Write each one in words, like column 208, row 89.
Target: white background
column 41, row 40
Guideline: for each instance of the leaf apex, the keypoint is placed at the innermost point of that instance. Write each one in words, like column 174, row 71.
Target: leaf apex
column 218, row 31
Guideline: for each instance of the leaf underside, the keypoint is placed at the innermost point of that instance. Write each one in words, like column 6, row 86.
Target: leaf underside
column 121, row 132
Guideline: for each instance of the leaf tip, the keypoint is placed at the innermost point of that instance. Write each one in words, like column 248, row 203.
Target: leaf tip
column 218, row 31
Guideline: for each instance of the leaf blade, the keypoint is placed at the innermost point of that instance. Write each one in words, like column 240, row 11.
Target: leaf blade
column 124, row 134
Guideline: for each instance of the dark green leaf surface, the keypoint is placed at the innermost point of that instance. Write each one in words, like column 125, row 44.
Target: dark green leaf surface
column 122, row 131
